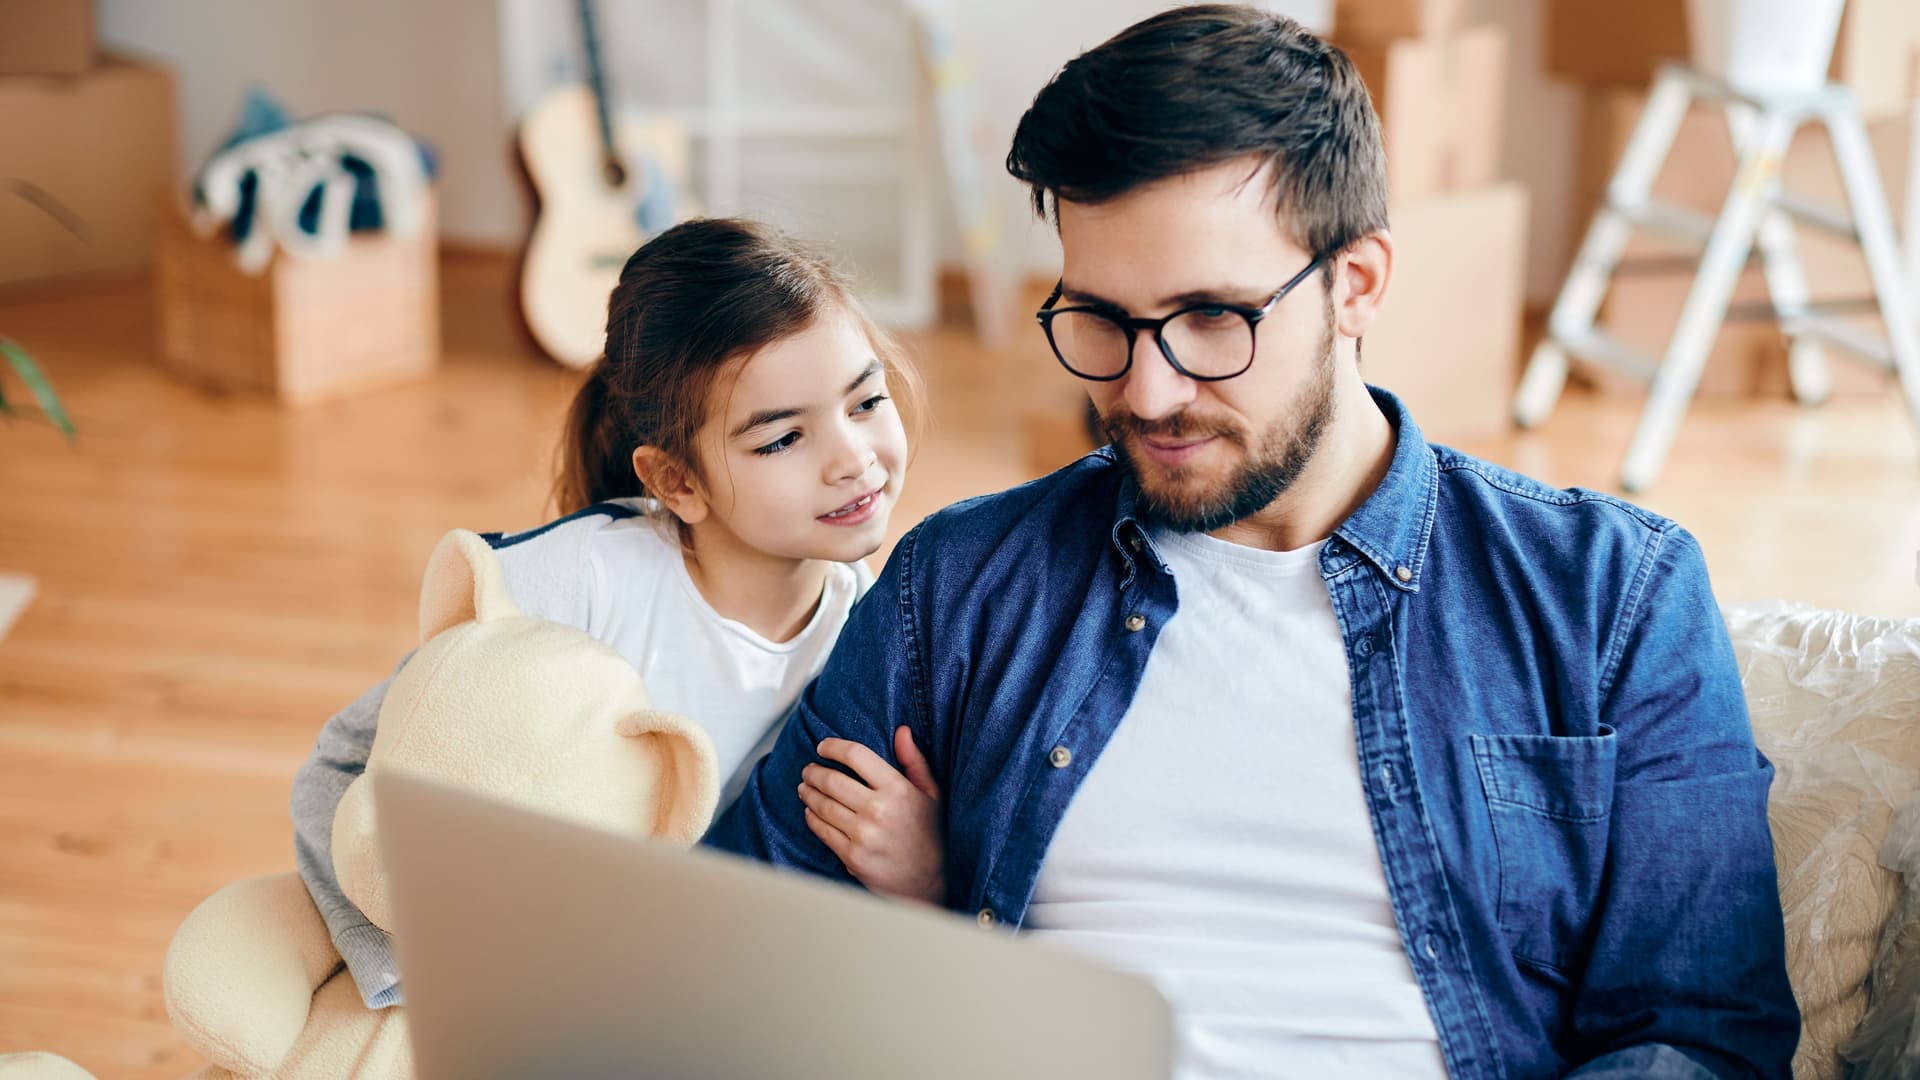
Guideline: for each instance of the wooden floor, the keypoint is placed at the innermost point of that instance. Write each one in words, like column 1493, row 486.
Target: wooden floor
column 217, row 576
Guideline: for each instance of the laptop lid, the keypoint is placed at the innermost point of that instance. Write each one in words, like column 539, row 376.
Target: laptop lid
column 529, row 946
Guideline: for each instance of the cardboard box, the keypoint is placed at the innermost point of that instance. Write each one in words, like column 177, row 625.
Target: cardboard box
column 1616, row 42
column 1442, row 105
column 100, row 145
column 1749, row 356
column 306, row 330
column 1878, row 54
column 46, row 37
column 1624, row 42
column 1447, row 339
column 1382, row 20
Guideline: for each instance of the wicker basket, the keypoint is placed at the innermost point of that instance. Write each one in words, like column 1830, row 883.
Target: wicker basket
column 305, row 330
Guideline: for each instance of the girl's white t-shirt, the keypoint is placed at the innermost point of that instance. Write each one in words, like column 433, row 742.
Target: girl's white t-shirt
column 622, row 578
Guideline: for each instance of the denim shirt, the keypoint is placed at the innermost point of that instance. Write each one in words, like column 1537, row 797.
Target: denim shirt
column 1552, row 737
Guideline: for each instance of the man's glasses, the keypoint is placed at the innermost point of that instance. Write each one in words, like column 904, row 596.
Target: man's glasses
column 1207, row 342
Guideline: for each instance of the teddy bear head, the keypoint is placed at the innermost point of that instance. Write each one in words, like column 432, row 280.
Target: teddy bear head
column 525, row 711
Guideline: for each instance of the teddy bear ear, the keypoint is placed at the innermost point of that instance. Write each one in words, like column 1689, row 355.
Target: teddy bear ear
column 463, row 584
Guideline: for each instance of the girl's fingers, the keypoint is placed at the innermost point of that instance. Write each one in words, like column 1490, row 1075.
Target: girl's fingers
column 835, row 840
column 870, row 766
column 907, row 753
column 842, row 788
column 828, row 809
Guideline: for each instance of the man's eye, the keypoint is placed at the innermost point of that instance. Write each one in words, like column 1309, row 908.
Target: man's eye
column 779, row 444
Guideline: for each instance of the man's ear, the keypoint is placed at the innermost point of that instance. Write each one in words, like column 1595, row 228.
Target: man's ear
column 670, row 482
column 1360, row 279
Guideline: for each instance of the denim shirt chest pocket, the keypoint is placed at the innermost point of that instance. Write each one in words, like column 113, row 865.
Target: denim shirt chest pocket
column 1550, row 799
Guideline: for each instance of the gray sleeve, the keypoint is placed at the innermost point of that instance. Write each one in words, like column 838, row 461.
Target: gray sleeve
column 339, row 756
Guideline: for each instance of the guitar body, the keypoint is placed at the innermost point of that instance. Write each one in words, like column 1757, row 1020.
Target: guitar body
column 586, row 227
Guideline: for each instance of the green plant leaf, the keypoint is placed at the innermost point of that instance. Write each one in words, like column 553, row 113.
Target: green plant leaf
column 37, row 384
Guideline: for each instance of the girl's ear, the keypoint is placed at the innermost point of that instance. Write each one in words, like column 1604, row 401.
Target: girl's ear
column 671, row 482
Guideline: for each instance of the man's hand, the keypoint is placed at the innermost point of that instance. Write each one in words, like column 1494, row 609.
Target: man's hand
column 886, row 831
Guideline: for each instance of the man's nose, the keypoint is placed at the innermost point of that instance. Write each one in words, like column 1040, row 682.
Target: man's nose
column 1154, row 389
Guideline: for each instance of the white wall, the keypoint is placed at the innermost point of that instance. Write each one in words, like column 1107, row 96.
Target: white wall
column 433, row 66
column 456, row 71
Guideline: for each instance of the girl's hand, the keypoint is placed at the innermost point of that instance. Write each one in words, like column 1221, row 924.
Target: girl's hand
column 886, row 831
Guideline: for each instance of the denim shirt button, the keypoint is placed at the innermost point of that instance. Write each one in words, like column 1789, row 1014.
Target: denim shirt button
column 1136, row 623
column 1134, row 541
column 1430, row 946
column 1387, row 786
column 1405, row 574
column 1365, row 645
column 1060, row 758
column 986, row 917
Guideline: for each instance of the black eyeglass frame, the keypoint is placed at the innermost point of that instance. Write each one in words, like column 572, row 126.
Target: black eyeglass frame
column 1132, row 326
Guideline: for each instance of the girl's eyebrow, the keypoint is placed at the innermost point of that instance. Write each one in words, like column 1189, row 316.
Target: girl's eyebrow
column 771, row 416
column 872, row 369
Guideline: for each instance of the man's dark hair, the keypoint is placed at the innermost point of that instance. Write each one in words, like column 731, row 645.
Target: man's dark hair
column 1200, row 85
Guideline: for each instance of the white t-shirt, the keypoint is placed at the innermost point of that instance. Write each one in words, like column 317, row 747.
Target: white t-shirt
column 624, row 580
column 1221, row 843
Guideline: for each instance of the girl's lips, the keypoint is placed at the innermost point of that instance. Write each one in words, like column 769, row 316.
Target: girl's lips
column 1175, row 452
column 857, row 512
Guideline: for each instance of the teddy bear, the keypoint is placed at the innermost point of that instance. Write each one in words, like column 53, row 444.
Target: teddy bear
column 522, row 710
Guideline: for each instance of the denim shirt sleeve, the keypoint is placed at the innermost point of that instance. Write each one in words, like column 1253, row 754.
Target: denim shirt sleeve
column 1688, row 946
column 869, row 686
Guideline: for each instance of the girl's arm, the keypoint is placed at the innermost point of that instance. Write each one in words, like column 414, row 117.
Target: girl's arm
column 338, row 758
column 884, row 826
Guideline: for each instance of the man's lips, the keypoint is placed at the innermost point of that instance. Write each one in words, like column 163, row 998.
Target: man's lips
column 1173, row 451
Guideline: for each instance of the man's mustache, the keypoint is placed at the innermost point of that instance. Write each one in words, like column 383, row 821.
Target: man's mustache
column 1180, row 426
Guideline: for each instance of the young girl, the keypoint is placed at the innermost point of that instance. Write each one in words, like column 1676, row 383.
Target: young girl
column 726, row 467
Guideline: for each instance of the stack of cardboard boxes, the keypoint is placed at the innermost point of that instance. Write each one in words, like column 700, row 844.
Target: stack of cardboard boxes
column 1448, row 338
column 1611, row 51
column 85, row 141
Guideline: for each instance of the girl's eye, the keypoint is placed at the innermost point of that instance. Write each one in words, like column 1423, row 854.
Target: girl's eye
column 779, row 444
column 870, row 404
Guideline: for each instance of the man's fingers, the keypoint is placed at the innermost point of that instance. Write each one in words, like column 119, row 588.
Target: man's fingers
column 838, row 786
column 919, row 773
column 870, row 766
column 828, row 809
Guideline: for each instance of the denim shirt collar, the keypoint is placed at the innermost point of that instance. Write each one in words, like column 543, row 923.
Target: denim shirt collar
column 1390, row 530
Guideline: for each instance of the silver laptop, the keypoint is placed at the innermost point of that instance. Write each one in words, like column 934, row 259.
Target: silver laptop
column 531, row 947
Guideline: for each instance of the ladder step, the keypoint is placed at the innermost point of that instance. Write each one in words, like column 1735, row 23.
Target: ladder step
column 1598, row 347
column 1872, row 349
column 1665, row 219
column 1818, row 215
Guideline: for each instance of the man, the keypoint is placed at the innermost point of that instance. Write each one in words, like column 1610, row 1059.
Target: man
column 1380, row 759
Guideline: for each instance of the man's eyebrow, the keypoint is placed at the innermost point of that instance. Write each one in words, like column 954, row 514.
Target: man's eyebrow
column 772, row 416
column 1220, row 294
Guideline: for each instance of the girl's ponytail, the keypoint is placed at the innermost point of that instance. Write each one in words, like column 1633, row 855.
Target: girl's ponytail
column 596, row 457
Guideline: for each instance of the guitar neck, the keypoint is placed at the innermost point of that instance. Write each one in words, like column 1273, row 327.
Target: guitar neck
column 610, row 164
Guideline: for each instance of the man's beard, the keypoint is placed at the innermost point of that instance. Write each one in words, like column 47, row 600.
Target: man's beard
column 1270, row 468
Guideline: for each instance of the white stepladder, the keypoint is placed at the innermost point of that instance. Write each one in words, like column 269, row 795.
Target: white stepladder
column 1756, row 216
